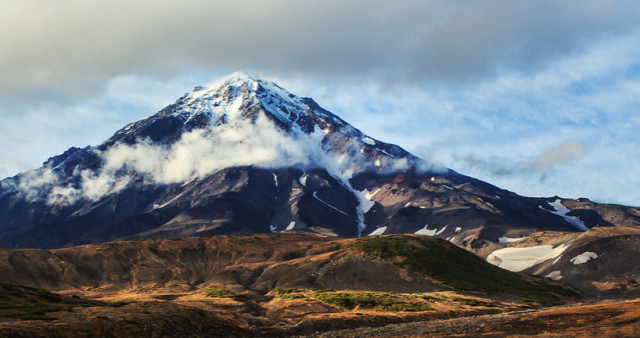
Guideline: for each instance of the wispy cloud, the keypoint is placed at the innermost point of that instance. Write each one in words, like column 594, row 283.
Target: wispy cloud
column 195, row 155
column 564, row 153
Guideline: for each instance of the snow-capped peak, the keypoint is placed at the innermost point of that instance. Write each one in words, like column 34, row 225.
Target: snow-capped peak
column 239, row 97
column 235, row 78
column 237, row 121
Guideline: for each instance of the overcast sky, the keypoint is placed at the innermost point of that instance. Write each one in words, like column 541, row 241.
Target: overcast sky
column 538, row 97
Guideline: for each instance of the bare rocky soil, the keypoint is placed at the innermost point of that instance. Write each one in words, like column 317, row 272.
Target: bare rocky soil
column 610, row 319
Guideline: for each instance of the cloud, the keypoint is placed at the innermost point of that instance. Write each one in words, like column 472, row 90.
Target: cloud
column 539, row 165
column 198, row 154
column 74, row 48
column 10, row 165
column 566, row 152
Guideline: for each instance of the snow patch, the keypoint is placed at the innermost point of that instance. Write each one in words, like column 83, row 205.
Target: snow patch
column 275, row 179
column 369, row 141
column 327, row 204
column 370, row 194
column 365, row 201
column 384, row 152
column 556, row 260
column 562, row 211
column 557, row 275
column 272, row 228
column 584, row 257
column 291, row 225
column 303, row 180
column 505, row 240
column 410, row 204
column 458, row 229
column 442, row 230
column 378, row 231
column 518, row 259
column 425, row 231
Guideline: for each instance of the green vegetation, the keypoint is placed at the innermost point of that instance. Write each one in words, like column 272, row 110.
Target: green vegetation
column 426, row 297
column 219, row 293
column 471, row 302
column 384, row 301
column 130, row 321
column 118, row 304
column 29, row 303
column 243, row 238
column 31, row 311
column 280, row 292
column 322, row 290
column 289, row 293
column 460, row 269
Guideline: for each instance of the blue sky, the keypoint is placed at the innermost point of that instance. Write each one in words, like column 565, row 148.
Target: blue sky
column 538, row 97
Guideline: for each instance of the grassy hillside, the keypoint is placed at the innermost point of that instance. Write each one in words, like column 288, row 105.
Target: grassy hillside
column 461, row 269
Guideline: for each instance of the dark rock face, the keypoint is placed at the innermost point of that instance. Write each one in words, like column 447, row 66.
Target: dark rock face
column 381, row 189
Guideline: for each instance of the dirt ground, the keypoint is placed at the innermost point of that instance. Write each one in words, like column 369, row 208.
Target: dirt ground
column 611, row 319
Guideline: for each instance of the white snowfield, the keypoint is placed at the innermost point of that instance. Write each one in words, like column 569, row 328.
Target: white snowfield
column 291, row 225
column 425, row 231
column 364, row 196
column 378, row 231
column 303, row 180
column 518, row 259
column 505, row 240
column 434, row 232
column 562, row 211
column 557, row 275
column 584, row 257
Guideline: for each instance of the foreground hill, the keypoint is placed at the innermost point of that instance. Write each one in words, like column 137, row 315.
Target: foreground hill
column 269, row 283
column 263, row 263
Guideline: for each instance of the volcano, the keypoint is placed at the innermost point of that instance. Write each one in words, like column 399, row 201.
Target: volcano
column 244, row 155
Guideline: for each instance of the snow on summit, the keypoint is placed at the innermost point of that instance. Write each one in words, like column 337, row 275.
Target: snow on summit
column 225, row 98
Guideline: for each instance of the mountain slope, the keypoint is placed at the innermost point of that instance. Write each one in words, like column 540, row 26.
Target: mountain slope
column 245, row 156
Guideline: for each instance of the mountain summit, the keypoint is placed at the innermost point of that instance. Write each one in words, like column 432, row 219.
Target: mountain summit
column 245, row 156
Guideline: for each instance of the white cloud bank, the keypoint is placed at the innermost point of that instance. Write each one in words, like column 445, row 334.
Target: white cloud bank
column 197, row 154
